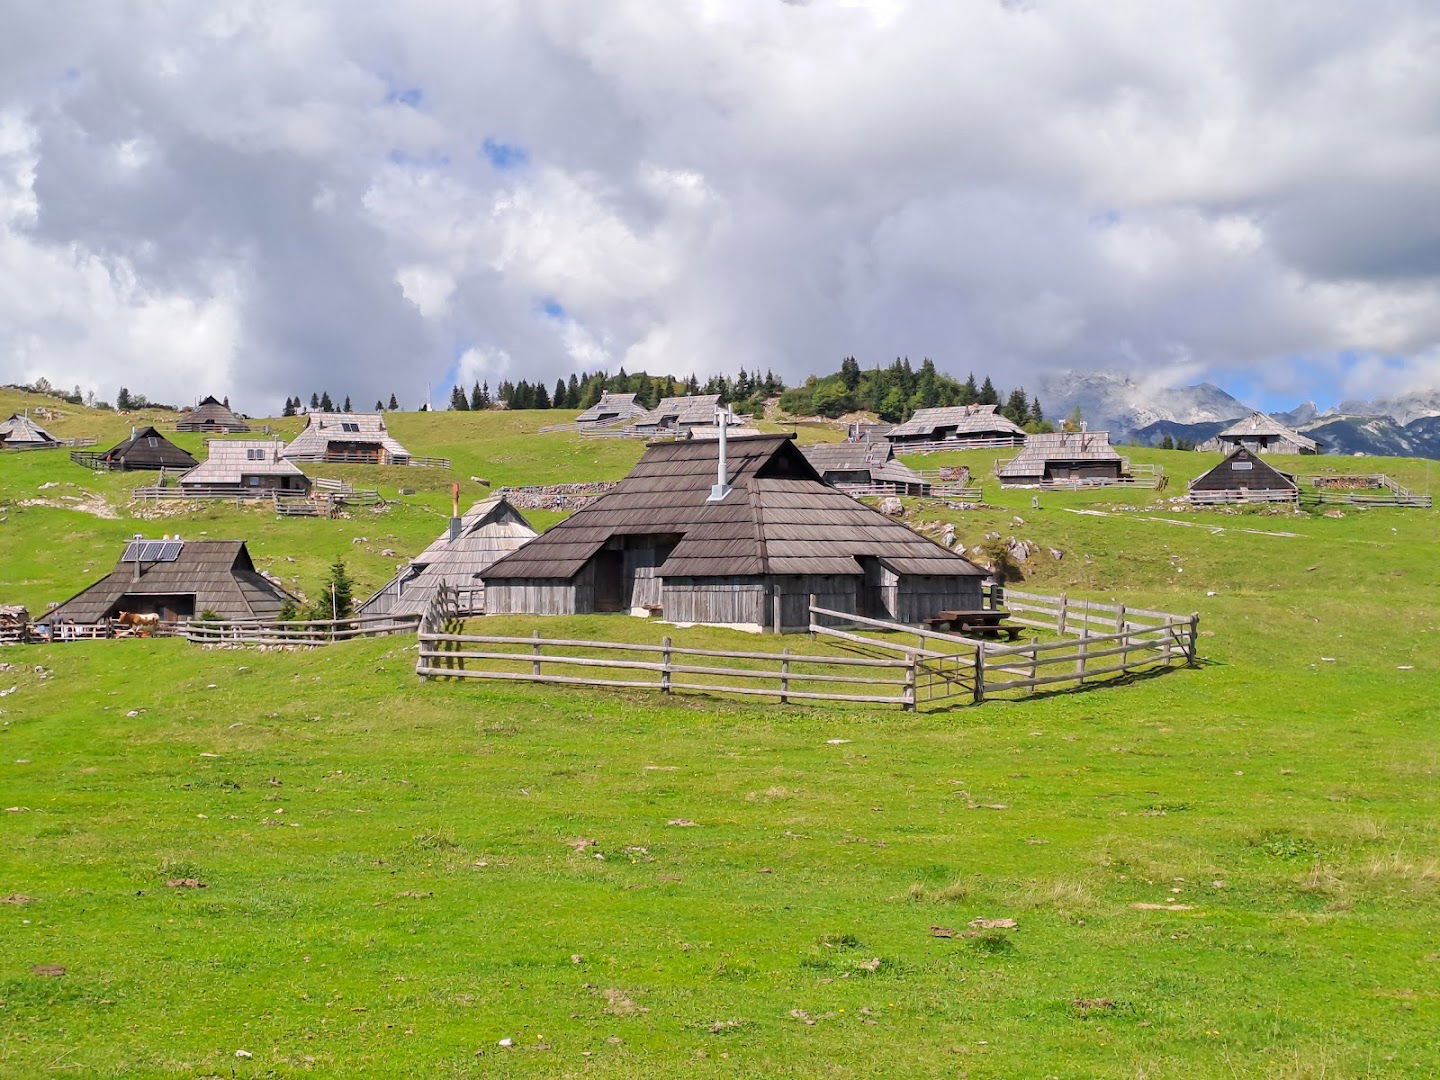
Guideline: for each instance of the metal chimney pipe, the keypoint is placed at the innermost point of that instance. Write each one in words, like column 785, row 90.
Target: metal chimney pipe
column 455, row 511
column 721, row 488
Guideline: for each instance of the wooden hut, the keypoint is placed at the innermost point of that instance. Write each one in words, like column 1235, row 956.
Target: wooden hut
column 490, row 529
column 176, row 579
column 1243, row 477
column 357, row 438
column 750, row 551
column 1063, row 455
column 1262, row 434
column 146, row 448
column 610, row 410
column 865, row 468
column 677, row 415
column 958, row 424
column 22, row 433
column 245, row 465
column 212, row 416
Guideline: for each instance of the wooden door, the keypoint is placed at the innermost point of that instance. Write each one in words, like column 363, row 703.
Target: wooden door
column 610, row 591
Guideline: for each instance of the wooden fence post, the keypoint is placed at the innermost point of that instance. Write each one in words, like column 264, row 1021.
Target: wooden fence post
column 911, row 672
column 665, row 665
column 776, row 605
column 811, row 616
column 535, row 653
column 1194, row 638
column 979, row 674
column 1082, row 648
column 785, row 677
column 1120, row 619
column 1061, row 618
column 1169, row 640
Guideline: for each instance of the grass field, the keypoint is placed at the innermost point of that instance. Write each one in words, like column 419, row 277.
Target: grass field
column 1232, row 870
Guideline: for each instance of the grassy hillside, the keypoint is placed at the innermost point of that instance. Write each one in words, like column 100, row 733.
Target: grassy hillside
column 1223, row 871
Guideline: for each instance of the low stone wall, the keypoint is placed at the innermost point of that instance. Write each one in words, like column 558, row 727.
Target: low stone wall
column 556, row 496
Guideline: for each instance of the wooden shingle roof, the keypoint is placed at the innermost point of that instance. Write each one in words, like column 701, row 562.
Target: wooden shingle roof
column 779, row 517
column 211, row 415
column 230, row 459
column 1058, row 446
column 611, row 407
column 682, row 411
column 147, row 448
column 323, row 428
column 22, row 431
column 876, row 458
column 965, row 419
column 219, row 573
column 1258, row 425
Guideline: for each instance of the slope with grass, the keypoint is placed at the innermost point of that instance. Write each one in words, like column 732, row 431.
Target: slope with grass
column 1228, row 870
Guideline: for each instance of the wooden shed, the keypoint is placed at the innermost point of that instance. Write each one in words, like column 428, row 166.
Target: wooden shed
column 611, row 409
column 489, row 530
column 21, row 433
column 146, row 448
column 671, row 539
column 1244, row 477
column 958, row 424
column 1062, row 455
column 865, row 468
column 213, row 416
column 677, row 415
column 355, row 438
column 177, row 579
column 245, row 465
column 1262, row 434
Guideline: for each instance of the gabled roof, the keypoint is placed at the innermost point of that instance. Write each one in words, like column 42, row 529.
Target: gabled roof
column 22, row 431
column 1059, row 446
column 147, row 447
column 231, row 459
column 488, row 530
column 692, row 409
column 611, row 407
column 1258, row 425
column 965, row 419
column 876, row 458
column 1259, row 467
column 323, row 428
column 219, row 573
column 210, row 415
column 779, row 517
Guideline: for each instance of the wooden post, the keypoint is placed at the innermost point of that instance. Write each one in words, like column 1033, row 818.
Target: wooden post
column 1169, row 640
column 777, row 608
column 979, row 675
column 1120, row 619
column 785, row 677
column 665, row 665
column 1082, row 648
column 1034, row 665
column 535, row 653
column 911, row 671
column 811, row 617
column 1064, row 610
column 997, row 596
column 1194, row 638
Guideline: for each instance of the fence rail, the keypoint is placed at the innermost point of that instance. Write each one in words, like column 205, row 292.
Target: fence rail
column 940, row 446
column 297, row 631
column 58, row 444
column 1241, row 496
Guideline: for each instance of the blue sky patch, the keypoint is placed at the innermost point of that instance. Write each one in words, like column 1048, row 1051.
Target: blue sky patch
column 552, row 308
column 432, row 160
column 504, row 155
column 410, row 96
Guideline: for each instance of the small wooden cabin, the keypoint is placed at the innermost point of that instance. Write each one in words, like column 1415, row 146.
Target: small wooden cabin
column 22, row 433
column 245, row 465
column 147, row 449
column 1244, row 477
column 489, row 530
column 1262, row 434
column 610, row 410
column 678, row 415
column 1063, row 455
column 959, row 424
column 869, row 468
column 212, row 416
column 177, row 580
column 355, row 438
column 749, row 553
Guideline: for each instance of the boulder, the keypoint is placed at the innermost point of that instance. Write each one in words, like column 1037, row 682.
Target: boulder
column 891, row 506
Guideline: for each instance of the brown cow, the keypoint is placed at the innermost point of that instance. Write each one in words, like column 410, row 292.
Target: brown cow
column 139, row 625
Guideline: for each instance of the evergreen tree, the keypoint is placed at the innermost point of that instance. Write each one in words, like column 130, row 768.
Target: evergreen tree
column 289, row 409
column 347, row 404
column 850, row 373
column 336, row 599
column 475, row 402
column 394, row 405
column 988, row 395
column 458, row 401
column 1017, row 407
column 379, row 405
column 485, row 395
column 122, row 400
column 226, row 401
column 969, row 394
column 1036, row 416
column 314, row 400
column 1167, row 443
column 559, row 400
column 540, row 397
column 326, row 405
column 572, row 391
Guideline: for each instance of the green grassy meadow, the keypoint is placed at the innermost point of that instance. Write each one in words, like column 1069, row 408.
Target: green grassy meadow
column 1230, row 870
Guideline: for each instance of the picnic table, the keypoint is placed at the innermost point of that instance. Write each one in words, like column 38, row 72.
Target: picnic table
column 982, row 623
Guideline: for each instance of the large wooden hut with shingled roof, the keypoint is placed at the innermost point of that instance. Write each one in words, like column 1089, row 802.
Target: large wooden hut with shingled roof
column 177, row 579
column 357, row 438
column 212, row 416
column 610, row 410
column 1262, row 434
column 748, row 550
column 22, row 433
column 490, row 529
column 1243, row 477
column 146, row 448
column 678, row 415
column 958, row 424
column 869, row 468
column 1063, row 455
column 238, row 466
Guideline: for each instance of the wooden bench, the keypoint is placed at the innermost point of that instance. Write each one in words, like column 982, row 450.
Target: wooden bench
column 985, row 623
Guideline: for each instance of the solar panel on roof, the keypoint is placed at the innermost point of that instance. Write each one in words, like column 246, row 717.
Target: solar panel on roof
column 152, row 551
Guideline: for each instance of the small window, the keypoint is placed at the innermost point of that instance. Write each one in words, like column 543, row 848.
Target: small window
column 1242, row 466
column 254, row 481
column 153, row 441
column 254, row 455
column 349, row 427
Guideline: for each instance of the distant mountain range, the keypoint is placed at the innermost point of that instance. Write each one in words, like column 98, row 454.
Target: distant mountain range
column 1405, row 426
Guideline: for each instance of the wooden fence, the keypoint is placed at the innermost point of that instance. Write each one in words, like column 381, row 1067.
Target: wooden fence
column 58, row 444
column 941, row 446
column 1240, row 497
column 297, row 631
column 1371, row 489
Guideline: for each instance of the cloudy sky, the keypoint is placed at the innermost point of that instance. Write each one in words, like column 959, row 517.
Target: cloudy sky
column 266, row 198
